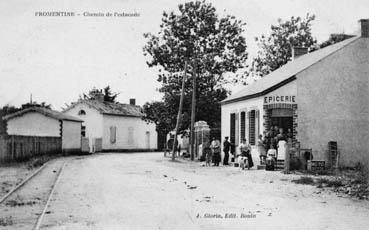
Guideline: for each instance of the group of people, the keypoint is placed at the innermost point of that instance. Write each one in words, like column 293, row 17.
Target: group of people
column 271, row 146
column 213, row 153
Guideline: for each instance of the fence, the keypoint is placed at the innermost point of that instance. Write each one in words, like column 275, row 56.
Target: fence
column 13, row 147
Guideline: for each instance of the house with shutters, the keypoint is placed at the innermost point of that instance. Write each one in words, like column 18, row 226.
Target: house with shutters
column 322, row 97
column 113, row 126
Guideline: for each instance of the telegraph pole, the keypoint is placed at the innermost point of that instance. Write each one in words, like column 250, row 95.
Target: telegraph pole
column 193, row 109
column 179, row 116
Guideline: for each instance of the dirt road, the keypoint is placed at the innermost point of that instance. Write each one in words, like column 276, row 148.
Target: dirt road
column 147, row 191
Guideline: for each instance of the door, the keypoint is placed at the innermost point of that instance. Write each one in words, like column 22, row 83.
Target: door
column 147, row 140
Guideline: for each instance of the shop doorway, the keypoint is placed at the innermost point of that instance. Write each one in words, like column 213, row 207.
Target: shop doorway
column 283, row 122
column 282, row 118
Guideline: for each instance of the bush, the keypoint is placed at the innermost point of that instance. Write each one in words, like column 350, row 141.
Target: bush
column 6, row 221
column 304, row 180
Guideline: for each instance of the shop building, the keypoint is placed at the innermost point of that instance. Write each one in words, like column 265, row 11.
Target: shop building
column 321, row 96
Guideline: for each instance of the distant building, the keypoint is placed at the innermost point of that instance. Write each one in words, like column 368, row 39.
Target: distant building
column 112, row 126
column 43, row 122
column 321, row 96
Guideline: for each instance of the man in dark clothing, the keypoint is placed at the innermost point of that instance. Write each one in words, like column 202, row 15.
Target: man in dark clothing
column 226, row 147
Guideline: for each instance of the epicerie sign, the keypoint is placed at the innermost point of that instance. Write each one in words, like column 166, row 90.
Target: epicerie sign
column 279, row 99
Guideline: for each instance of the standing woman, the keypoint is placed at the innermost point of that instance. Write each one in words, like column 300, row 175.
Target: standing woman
column 215, row 147
column 282, row 145
column 261, row 148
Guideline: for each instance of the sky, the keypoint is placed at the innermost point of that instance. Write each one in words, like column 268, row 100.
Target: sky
column 56, row 59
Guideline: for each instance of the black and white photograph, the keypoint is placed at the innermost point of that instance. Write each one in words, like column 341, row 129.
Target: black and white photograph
column 184, row 114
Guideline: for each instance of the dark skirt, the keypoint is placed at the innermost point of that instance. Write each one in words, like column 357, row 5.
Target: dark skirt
column 216, row 157
column 249, row 159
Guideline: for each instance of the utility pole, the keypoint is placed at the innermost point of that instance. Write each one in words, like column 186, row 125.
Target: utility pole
column 179, row 116
column 193, row 109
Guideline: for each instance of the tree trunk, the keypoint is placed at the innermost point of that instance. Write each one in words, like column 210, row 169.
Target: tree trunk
column 179, row 116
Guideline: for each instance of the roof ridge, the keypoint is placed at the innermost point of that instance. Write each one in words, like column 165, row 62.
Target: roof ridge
column 44, row 111
column 112, row 108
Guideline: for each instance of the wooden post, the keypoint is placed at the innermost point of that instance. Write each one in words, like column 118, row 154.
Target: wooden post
column 179, row 116
column 287, row 158
column 13, row 148
column 193, row 111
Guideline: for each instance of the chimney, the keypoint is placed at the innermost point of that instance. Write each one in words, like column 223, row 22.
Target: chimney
column 99, row 97
column 132, row 101
column 298, row 51
column 364, row 25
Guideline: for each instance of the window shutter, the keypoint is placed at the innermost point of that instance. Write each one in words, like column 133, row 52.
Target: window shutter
column 237, row 129
column 232, row 134
column 113, row 134
column 257, row 124
column 243, row 125
column 251, row 116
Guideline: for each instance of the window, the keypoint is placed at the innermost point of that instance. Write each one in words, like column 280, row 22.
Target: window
column 113, row 134
column 82, row 112
column 83, row 131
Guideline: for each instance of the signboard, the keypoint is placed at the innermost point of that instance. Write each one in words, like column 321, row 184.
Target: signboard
column 280, row 99
column 317, row 165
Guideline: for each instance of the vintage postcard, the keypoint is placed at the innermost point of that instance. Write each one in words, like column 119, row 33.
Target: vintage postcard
column 184, row 114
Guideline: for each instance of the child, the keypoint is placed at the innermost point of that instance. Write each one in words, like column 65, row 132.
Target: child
column 270, row 160
column 208, row 156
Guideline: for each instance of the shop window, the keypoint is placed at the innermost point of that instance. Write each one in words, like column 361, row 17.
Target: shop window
column 82, row 112
column 113, row 134
column 243, row 125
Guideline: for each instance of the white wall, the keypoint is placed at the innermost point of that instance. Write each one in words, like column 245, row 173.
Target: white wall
column 333, row 104
column 289, row 89
column 71, row 136
column 93, row 121
column 33, row 124
column 130, row 133
column 238, row 107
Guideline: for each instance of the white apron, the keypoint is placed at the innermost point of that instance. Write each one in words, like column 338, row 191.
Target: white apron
column 282, row 149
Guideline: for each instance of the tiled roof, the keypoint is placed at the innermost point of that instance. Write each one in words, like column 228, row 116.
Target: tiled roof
column 111, row 108
column 47, row 112
column 286, row 72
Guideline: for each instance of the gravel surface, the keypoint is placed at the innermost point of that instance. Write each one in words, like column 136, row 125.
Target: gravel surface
column 147, row 191
column 12, row 175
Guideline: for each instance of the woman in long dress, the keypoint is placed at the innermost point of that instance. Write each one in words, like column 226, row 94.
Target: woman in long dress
column 215, row 147
column 282, row 149
column 282, row 145
column 261, row 148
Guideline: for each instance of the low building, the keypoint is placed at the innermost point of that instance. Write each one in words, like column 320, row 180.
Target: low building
column 43, row 122
column 321, row 96
column 112, row 126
